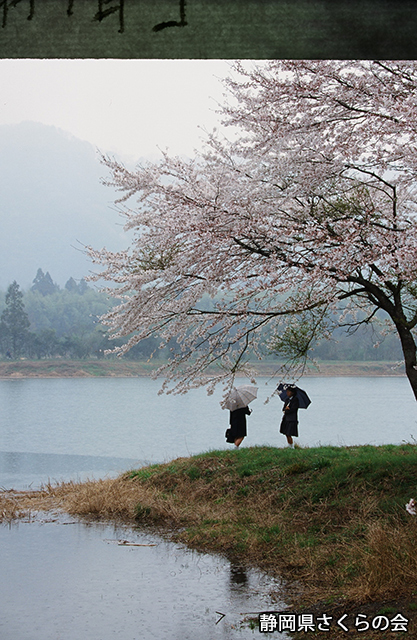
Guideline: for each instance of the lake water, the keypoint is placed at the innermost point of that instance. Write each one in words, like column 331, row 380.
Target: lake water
column 72, row 581
column 69, row 580
column 53, row 429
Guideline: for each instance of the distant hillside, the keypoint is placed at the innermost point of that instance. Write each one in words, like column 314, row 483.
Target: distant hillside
column 51, row 199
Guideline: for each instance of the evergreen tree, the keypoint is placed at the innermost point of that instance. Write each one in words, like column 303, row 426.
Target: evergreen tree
column 44, row 283
column 14, row 322
column 71, row 285
column 83, row 287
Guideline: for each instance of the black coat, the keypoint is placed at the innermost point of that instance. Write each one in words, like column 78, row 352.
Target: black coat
column 238, row 422
column 289, row 422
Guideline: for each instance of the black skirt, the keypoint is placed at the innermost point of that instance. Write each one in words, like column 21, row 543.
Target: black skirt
column 289, row 427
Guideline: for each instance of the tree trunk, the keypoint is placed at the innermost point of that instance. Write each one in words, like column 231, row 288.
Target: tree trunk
column 409, row 350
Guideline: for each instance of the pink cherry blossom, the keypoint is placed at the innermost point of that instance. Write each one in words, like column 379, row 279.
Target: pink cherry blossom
column 306, row 214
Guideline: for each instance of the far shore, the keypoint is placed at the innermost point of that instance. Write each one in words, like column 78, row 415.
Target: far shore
column 16, row 369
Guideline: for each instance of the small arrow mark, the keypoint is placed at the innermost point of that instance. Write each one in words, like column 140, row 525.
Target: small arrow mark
column 220, row 614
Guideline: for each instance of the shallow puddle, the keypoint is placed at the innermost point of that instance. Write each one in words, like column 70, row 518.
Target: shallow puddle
column 66, row 580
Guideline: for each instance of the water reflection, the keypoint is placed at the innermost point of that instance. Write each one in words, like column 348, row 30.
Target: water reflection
column 74, row 581
column 238, row 576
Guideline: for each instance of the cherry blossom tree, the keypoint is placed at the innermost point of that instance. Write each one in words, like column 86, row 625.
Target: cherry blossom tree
column 306, row 214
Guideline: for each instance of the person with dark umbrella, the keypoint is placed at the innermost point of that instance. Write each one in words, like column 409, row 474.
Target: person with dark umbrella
column 289, row 422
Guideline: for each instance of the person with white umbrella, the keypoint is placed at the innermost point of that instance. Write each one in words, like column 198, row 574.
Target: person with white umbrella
column 237, row 403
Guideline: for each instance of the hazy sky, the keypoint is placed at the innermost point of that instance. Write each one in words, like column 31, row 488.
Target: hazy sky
column 128, row 107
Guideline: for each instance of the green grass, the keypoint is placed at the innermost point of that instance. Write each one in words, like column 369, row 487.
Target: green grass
column 330, row 521
column 312, row 474
column 332, row 517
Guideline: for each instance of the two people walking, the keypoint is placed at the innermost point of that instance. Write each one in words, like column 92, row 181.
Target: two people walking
column 289, row 423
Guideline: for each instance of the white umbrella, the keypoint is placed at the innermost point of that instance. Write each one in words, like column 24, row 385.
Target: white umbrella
column 240, row 397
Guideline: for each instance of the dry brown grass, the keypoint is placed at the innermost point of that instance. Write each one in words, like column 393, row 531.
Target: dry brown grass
column 112, row 499
column 389, row 560
column 330, row 520
column 21, row 504
column 121, row 498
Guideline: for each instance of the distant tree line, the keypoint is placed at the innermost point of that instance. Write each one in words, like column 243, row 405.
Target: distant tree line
column 48, row 322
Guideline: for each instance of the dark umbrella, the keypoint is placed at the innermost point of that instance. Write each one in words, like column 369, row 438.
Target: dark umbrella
column 303, row 398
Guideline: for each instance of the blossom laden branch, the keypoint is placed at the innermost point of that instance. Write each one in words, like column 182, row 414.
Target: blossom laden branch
column 268, row 237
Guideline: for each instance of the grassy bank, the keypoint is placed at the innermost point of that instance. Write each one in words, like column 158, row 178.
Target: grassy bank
column 129, row 368
column 330, row 520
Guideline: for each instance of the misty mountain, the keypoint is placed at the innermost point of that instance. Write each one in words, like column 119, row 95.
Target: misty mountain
column 51, row 199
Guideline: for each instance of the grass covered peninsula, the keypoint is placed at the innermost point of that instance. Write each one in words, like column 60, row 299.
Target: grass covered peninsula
column 330, row 520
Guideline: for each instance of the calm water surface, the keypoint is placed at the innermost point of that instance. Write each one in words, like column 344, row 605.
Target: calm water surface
column 73, row 581
column 68, row 580
column 60, row 428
